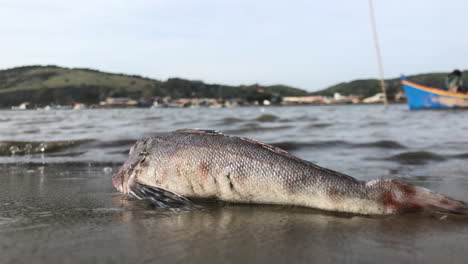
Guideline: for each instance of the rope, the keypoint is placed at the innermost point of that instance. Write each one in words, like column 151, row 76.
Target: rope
column 377, row 50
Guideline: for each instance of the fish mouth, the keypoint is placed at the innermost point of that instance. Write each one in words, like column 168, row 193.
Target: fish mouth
column 117, row 181
column 123, row 177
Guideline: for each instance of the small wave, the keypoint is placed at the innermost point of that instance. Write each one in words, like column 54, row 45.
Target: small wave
column 461, row 156
column 4, row 120
column 178, row 123
column 319, row 125
column 66, row 127
column 255, row 128
column 388, row 144
column 230, row 121
column 289, row 145
column 152, row 118
column 261, row 118
column 304, row 118
column 377, row 123
column 416, row 157
column 309, row 118
column 71, row 154
column 267, row 118
column 32, row 131
column 30, row 147
column 117, row 143
column 40, row 122
column 124, row 152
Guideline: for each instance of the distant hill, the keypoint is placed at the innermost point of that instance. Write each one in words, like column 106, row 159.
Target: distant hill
column 370, row 87
column 42, row 85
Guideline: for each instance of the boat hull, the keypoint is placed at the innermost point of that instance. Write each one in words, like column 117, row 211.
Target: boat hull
column 425, row 97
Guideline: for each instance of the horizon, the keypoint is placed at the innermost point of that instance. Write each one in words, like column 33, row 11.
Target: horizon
column 237, row 42
column 215, row 83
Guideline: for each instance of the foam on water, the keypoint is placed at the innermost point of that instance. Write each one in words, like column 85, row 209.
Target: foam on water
column 34, row 147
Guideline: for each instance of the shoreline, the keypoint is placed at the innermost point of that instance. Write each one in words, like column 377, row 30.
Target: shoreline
column 204, row 107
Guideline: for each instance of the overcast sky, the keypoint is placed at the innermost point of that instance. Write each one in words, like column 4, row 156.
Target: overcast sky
column 309, row 44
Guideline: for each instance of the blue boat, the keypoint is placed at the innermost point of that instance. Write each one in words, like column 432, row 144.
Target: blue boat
column 424, row 97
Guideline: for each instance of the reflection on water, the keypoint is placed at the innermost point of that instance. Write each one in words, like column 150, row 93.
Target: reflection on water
column 279, row 234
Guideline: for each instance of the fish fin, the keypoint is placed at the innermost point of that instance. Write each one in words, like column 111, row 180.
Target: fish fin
column 265, row 145
column 433, row 201
column 159, row 197
column 199, row 131
column 401, row 197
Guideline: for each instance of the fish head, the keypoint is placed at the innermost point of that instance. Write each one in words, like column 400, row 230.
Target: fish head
column 126, row 174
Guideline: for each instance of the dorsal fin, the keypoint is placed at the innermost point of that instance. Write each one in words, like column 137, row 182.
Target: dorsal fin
column 265, row 145
column 199, row 131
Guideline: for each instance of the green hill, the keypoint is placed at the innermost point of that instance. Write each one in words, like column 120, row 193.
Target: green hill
column 42, row 85
column 370, row 87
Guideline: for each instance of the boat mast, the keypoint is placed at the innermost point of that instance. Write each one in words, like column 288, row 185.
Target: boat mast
column 377, row 50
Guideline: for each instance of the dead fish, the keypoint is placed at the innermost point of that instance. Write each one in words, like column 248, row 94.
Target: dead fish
column 171, row 168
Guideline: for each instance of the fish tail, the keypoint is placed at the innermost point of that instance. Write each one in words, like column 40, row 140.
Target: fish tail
column 398, row 197
column 432, row 201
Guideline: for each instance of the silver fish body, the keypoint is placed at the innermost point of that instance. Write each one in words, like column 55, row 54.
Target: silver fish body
column 205, row 164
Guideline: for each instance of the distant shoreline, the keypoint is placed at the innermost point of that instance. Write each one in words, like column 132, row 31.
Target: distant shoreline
column 45, row 85
column 244, row 106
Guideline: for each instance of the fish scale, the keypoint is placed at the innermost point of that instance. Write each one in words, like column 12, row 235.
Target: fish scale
column 190, row 163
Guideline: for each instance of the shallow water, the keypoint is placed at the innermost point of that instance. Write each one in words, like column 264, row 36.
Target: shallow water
column 57, row 203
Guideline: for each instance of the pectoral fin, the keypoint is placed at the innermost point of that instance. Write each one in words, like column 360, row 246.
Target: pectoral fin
column 160, row 198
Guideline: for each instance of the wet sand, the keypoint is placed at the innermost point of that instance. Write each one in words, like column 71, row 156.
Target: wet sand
column 70, row 213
